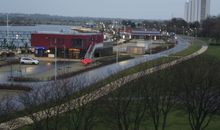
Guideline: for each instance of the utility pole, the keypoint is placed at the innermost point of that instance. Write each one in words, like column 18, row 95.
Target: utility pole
column 55, row 60
column 64, row 56
column 183, row 30
column 7, row 32
column 117, row 54
column 7, row 42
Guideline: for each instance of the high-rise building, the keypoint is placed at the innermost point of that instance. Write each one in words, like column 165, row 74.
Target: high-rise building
column 187, row 12
column 197, row 10
column 205, row 9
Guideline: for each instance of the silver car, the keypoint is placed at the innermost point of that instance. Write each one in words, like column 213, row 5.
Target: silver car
column 29, row 60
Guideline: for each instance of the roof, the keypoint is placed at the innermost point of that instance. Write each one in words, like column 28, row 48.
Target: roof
column 146, row 33
column 64, row 33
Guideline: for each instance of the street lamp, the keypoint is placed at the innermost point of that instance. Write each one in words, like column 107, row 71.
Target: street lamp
column 16, row 37
column 175, row 28
column 7, row 31
column 183, row 30
column 195, row 32
column 117, row 50
column 64, row 56
column 55, row 59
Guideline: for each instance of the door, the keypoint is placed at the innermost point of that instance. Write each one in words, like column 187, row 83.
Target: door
column 74, row 53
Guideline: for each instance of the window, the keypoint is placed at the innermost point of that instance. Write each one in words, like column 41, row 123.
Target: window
column 58, row 41
column 77, row 43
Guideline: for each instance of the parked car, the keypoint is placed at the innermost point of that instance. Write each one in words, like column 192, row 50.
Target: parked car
column 29, row 60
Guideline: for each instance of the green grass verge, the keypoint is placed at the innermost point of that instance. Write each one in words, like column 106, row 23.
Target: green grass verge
column 213, row 51
column 195, row 46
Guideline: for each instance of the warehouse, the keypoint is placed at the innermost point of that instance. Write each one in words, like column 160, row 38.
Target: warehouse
column 74, row 46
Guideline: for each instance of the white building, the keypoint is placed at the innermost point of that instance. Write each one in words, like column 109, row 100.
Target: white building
column 187, row 12
column 197, row 10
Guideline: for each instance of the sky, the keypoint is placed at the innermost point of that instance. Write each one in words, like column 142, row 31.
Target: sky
column 135, row 9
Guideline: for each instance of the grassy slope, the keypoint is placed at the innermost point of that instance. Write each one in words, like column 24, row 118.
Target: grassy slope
column 214, row 51
column 196, row 45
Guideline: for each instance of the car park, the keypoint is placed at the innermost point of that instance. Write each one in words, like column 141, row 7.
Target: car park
column 29, row 60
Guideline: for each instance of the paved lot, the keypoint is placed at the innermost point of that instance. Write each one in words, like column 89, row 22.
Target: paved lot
column 44, row 70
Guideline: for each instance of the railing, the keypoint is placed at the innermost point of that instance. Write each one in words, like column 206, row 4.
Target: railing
column 91, row 50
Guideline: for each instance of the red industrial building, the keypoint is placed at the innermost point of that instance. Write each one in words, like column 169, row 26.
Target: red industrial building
column 74, row 46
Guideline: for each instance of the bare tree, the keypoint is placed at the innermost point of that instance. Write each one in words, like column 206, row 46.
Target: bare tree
column 78, row 111
column 200, row 90
column 8, row 110
column 160, row 97
column 126, row 104
column 30, row 103
column 119, row 106
column 139, row 106
column 43, row 104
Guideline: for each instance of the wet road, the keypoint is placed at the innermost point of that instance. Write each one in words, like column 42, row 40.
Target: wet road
column 29, row 70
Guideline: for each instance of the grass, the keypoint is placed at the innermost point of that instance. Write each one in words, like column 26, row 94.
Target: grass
column 214, row 51
column 177, row 120
column 195, row 46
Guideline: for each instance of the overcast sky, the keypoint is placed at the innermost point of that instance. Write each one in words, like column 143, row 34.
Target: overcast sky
column 138, row 9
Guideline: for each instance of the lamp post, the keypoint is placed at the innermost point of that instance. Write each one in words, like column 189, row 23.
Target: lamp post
column 175, row 28
column 7, row 32
column 16, row 37
column 183, row 30
column 64, row 56
column 55, row 60
column 117, row 54
column 195, row 32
